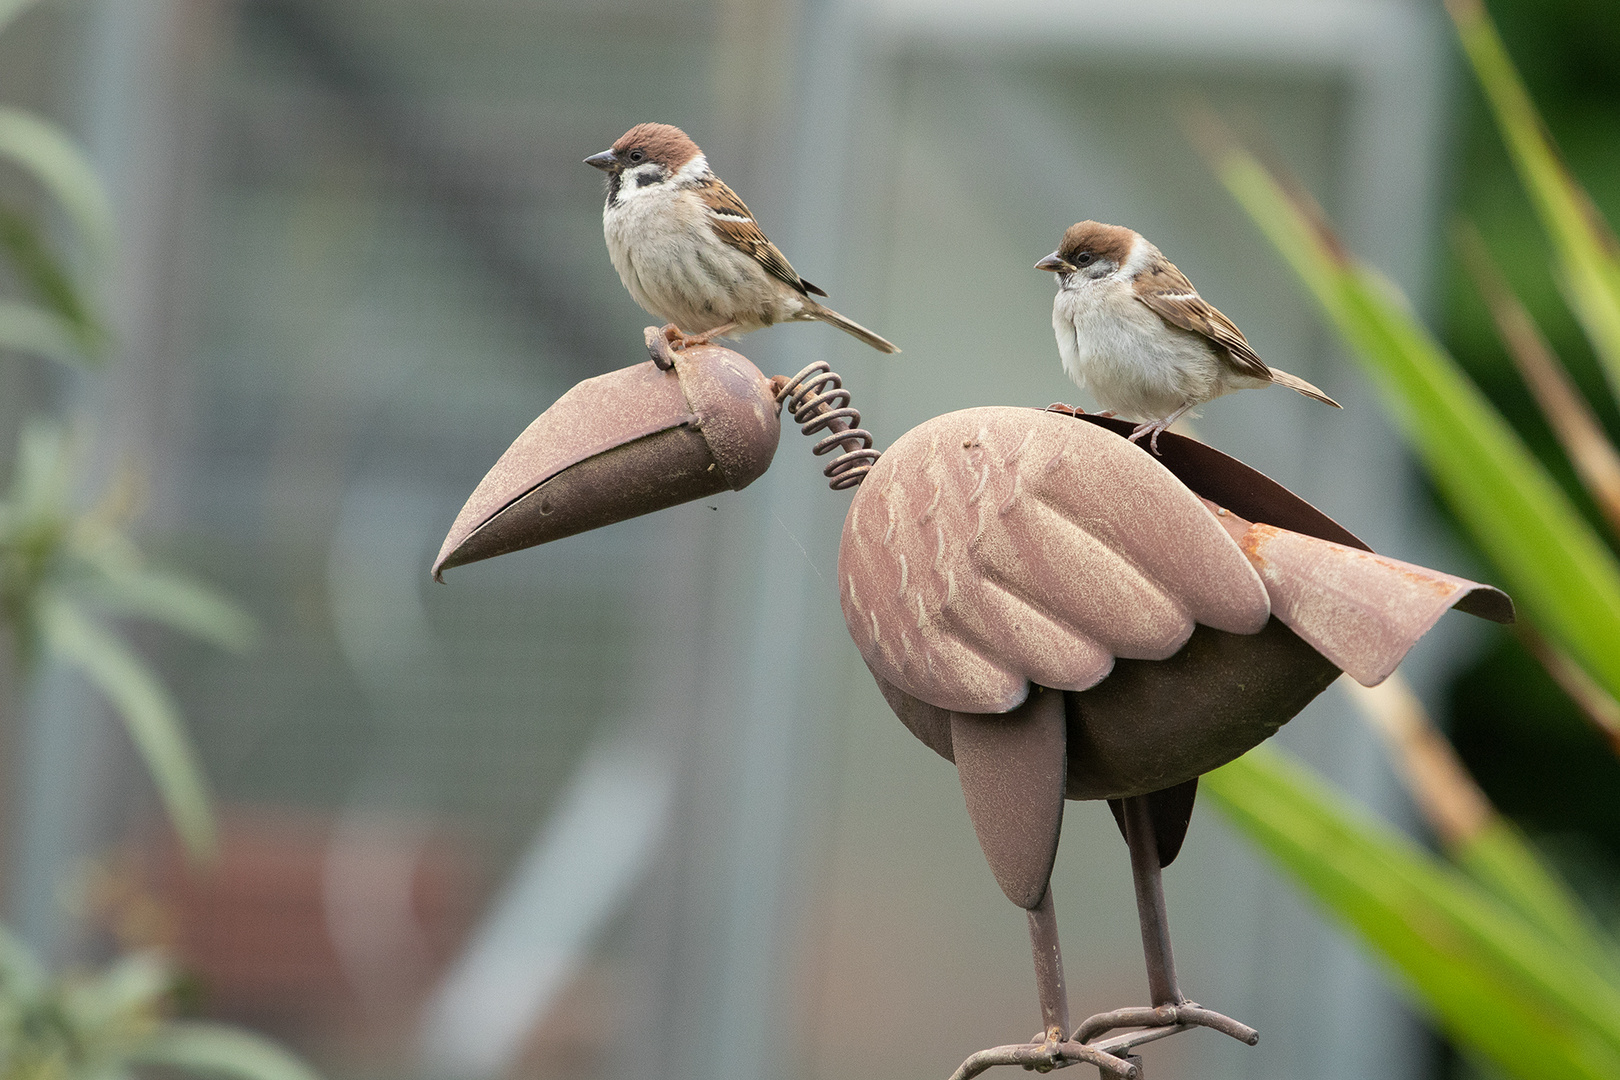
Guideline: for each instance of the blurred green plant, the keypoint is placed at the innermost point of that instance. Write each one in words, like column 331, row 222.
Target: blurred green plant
column 56, row 321
column 1493, row 943
column 64, row 571
column 103, row 1026
column 67, row 569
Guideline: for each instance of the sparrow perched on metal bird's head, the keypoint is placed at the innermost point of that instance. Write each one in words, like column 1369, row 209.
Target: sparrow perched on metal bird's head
column 1132, row 330
column 690, row 252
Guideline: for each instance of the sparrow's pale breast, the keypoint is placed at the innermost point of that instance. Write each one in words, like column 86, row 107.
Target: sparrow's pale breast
column 674, row 264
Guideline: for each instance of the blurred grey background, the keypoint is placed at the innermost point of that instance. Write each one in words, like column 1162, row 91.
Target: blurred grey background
column 630, row 805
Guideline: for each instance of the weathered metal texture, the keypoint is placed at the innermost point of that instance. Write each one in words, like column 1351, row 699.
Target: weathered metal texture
column 1360, row 610
column 992, row 542
column 994, row 548
column 1012, row 772
column 620, row 445
column 1155, row 725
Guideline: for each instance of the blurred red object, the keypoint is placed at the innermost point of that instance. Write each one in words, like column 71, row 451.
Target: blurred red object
column 326, row 931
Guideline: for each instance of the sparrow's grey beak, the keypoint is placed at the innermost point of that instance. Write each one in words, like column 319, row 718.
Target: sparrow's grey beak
column 1053, row 262
column 604, row 161
column 620, row 445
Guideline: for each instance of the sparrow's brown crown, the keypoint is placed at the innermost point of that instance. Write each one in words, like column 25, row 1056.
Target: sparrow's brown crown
column 1104, row 241
column 665, row 144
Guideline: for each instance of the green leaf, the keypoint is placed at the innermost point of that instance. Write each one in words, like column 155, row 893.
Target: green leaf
column 196, row 1046
column 30, row 329
column 10, row 9
column 1557, row 569
column 151, row 717
column 1495, row 983
column 1588, row 258
column 177, row 601
column 1502, row 859
column 21, row 977
column 54, row 160
column 49, row 281
column 132, row 990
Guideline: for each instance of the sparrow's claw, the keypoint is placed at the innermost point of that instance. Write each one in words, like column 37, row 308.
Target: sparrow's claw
column 1068, row 410
column 1151, row 429
column 663, row 342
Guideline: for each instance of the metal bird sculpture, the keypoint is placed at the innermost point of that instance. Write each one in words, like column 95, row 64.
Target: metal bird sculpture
column 1041, row 602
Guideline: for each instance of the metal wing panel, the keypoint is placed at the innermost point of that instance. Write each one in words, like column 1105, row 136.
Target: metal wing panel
column 992, row 548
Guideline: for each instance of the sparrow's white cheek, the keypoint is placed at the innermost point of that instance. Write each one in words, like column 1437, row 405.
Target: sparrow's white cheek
column 639, row 180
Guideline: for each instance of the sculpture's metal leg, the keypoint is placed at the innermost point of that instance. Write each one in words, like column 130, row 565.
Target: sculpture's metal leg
column 1133, row 1060
column 1043, row 938
column 1171, row 1011
column 1150, row 909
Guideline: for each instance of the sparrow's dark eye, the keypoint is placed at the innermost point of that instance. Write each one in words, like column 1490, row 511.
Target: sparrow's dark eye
column 637, row 155
column 1085, row 258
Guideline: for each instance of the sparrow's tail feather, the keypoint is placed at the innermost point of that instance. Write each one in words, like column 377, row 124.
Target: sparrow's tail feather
column 1294, row 382
column 853, row 328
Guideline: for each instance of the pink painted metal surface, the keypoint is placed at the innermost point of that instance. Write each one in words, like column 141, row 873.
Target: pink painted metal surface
column 1360, row 610
column 1012, row 775
column 998, row 547
column 620, row 445
column 959, row 604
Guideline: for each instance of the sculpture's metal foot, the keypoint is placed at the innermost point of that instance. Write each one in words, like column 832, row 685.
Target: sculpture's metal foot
column 1112, row 1055
column 1178, row 1017
column 1044, row 1055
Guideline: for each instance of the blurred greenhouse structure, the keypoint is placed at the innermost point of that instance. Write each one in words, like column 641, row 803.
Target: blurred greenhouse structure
column 630, row 805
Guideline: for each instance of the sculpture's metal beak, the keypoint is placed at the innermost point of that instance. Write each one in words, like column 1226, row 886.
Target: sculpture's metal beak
column 619, row 446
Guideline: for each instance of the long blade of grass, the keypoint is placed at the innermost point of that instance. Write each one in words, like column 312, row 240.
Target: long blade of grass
column 1494, row 982
column 1589, row 449
column 1476, row 837
column 50, row 156
column 149, row 714
column 1588, row 257
column 1558, row 570
column 201, row 1047
column 1596, row 703
column 30, row 329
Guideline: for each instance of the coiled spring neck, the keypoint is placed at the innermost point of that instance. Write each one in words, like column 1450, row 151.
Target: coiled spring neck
column 819, row 402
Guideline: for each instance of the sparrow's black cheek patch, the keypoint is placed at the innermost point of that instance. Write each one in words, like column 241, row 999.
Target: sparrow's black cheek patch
column 647, row 178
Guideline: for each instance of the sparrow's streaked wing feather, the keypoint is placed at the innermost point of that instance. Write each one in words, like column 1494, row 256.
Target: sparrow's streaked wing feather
column 1166, row 290
column 735, row 224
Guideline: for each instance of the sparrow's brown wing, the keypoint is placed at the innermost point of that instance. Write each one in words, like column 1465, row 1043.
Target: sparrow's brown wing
column 735, row 224
column 1172, row 297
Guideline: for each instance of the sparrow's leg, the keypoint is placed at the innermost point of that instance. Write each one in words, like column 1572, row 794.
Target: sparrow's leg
column 707, row 336
column 1153, row 427
column 662, row 344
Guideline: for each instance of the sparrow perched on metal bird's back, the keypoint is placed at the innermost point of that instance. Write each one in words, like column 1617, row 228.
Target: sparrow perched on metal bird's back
column 690, row 252
column 1132, row 330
